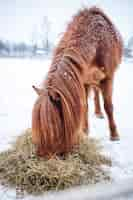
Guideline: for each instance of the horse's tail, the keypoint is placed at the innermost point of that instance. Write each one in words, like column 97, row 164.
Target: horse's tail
column 56, row 118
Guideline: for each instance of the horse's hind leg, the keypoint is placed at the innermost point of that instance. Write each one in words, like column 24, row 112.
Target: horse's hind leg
column 98, row 111
column 108, row 106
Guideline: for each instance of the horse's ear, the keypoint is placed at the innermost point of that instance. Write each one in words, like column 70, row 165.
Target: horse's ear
column 38, row 90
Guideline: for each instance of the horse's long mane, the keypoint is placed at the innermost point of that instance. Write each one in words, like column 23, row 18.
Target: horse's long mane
column 57, row 112
column 90, row 39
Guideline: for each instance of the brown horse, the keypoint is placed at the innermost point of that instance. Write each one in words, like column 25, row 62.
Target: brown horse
column 86, row 57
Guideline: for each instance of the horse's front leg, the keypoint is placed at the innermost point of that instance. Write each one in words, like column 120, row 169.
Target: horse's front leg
column 97, row 106
column 108, row 106
column 85, row 125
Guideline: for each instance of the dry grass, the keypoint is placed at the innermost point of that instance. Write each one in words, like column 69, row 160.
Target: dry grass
column 21, row 167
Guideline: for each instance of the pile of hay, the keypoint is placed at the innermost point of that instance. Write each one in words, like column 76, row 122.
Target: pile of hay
column 21, row 167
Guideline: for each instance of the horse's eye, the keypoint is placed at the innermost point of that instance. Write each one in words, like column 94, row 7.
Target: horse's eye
column 54, row 98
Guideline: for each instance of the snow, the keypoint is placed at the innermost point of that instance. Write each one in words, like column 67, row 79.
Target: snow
column 17, row 98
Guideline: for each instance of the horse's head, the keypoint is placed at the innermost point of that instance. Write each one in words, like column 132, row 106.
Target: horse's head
column 56, row 116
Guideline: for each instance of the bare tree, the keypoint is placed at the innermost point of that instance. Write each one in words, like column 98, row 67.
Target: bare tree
column 34, row 39
column 45, row 33
column 4, row 47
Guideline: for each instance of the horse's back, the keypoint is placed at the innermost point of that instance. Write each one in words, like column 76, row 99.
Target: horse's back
column 92, row 29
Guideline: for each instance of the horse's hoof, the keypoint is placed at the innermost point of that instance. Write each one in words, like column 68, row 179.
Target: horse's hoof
column 100, row 115
column 115, row 138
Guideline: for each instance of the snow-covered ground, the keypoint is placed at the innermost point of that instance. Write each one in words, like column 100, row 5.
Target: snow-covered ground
column 17, row 98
